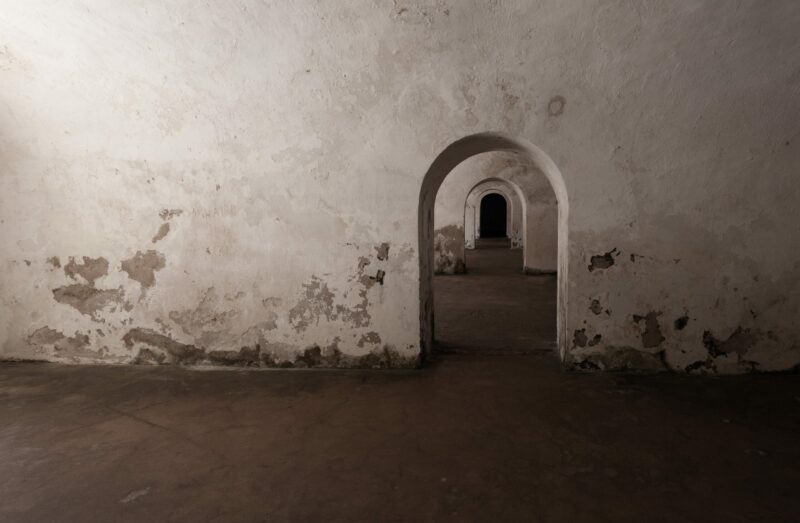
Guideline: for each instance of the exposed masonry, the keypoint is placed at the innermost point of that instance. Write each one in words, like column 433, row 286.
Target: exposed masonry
column 738, row 345
column 383, row 251
column 163, row 230
column 90, row 270
column 206, row 326
column 603, row 261
column 380, row 274
column 737, row 351
column 739, row 342
column 87, row 299
column 71, row 347
column 371, row 337
column 651, row 336
column 595, row 307
column 153, row 348
column 582, row 340
column 158, row 348
column 143, row 266
column 318, row 302
column 210, row 323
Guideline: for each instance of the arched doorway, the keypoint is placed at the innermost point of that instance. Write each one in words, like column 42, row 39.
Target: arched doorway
column 448, row 159
column 494, row 214
column 516, row 207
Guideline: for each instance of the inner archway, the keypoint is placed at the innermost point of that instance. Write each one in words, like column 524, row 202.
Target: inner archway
column 493, row 216
column 448, row 159
column 515, row 199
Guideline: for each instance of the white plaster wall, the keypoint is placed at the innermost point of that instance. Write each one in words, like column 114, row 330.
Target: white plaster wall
column 294, row 136
column 541, row 218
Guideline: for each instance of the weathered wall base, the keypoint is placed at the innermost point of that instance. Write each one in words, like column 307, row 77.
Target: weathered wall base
column 263, row 175
column 677, row 338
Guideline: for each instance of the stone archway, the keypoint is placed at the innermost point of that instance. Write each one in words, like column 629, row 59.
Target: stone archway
column 449, row 158
column 515, row 200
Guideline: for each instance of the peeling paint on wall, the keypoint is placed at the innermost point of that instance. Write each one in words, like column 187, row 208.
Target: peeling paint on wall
column 142, row 267
column 317, row 302
column 158, row 348
column 308, row 179
column 651, row 336
column 383, row 251
column 603, row 261
column 163, row 230
column 739, row 342
column 595, row 307
column 74, row 347
column 372, row 338
column 681, row 322
column 87, row 299
column 168, row 214
column 580, row 339
column 90, row 270
column 210, row 320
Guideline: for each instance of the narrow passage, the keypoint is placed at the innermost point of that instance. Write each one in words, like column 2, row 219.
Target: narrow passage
column 495, row 308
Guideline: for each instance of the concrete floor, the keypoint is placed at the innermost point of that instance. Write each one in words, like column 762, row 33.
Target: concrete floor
column 484, row 434
column 517, row 313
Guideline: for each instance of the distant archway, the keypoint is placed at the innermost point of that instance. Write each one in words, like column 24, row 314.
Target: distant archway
column 517, row 206
column 493, row 218
column 446, row 161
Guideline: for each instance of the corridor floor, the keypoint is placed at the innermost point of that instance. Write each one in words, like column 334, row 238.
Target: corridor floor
column 494, row 430
column 494, row 307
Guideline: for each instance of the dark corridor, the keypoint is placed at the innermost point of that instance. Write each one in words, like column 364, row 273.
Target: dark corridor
column 493, row 216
